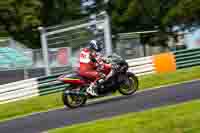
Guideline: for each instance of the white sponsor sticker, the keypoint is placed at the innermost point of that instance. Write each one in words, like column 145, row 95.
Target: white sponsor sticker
column 84, row 57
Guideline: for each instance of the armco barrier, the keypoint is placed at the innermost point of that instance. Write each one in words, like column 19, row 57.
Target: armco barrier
column 18, row 90
column 142, row 66
column 187, row 58
column 47, row 85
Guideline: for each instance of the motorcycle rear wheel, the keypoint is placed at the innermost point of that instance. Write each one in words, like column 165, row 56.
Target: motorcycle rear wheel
column 72, row 100
column 131, row 85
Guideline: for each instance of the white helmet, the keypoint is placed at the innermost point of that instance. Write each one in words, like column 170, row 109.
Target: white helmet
column 96, row 45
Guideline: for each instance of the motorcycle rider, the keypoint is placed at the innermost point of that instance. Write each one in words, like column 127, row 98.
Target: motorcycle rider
column 93, row 67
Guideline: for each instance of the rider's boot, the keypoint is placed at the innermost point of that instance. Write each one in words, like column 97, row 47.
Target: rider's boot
column 92, row 89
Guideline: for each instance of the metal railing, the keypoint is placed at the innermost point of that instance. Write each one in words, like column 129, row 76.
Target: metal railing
column 187, row 58
column 49, row 84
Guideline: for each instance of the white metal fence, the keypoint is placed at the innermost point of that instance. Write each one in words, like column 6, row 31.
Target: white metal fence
column 74, row 36
column 129, row 45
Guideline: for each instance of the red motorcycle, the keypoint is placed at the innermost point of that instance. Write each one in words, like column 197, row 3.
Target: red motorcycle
column 121, row 80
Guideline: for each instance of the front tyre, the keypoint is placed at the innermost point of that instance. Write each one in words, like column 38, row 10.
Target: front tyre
column 130, row 86
column 72, row 100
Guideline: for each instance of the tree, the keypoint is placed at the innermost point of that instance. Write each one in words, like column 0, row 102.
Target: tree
column 21, row 18
column 185, row 12
column 146, row 14
column 139, row 14
column 58, row 11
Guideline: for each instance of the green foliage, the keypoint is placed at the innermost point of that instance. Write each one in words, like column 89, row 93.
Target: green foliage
column 57, row 11
column 184, row 12
column 131, row 15
column 146, row 14
column 20, row 18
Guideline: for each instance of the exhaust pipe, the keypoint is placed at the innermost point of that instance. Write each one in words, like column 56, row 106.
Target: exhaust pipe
column 76, row 93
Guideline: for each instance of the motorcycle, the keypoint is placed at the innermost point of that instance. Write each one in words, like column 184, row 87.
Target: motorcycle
column 121, row 80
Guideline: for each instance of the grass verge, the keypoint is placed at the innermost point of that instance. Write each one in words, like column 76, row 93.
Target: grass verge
column 182, row 118
column 44, row 103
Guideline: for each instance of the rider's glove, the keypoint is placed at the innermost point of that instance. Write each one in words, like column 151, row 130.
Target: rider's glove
column 106, row 60
column 102, row 75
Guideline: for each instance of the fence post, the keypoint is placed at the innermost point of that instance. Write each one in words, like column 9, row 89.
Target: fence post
column 12, row 43
column 107, row 34
column 26, row 75
column 44, row 50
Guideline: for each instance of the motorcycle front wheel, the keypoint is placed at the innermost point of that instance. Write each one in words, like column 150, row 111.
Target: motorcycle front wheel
column 130, row 86
column 73, row 100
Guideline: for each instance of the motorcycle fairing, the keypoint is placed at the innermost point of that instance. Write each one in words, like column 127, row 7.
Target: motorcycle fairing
column 72, row 79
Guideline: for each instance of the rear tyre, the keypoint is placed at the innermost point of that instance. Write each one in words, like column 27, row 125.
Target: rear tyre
column 130, row 86
column 72, row 100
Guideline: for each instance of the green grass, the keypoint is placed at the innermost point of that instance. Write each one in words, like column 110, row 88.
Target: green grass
column 44, row 103
column 181, row 75
column 24, row 107
column 183, row 118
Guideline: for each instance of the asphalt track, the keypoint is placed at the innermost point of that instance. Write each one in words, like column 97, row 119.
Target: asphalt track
column 103, row 109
